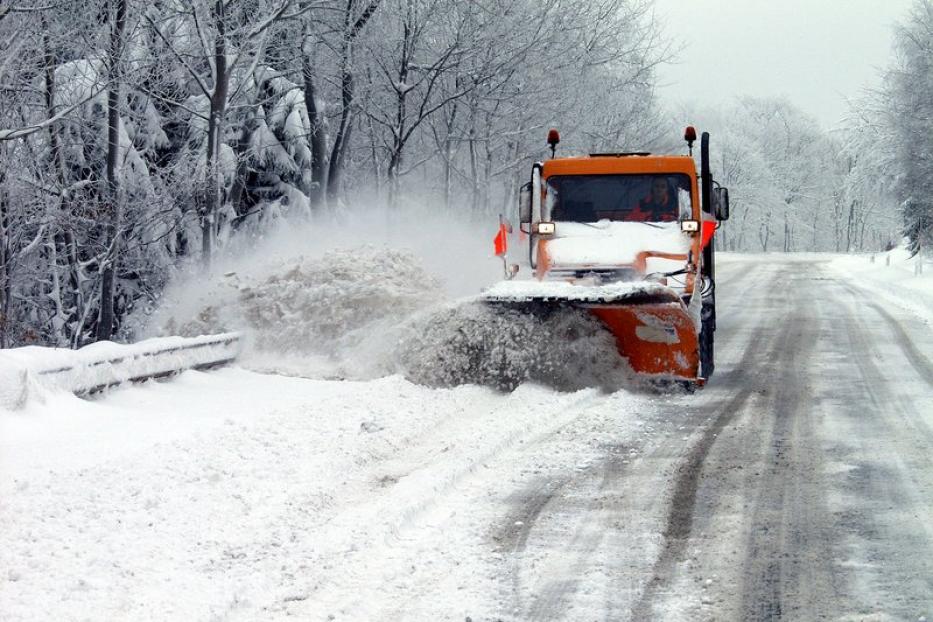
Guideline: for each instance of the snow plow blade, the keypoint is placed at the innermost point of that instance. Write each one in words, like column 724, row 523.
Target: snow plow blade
column 651, row 325
column 658, row 339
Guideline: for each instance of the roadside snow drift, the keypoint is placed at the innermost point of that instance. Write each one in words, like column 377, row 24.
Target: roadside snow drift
column 310, row 305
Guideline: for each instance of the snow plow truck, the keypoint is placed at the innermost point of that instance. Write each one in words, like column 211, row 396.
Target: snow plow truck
column 628, row 237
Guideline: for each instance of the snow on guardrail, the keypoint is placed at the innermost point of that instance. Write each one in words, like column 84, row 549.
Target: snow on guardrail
column 101, row 365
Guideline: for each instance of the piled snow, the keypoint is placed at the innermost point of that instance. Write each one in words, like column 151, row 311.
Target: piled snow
column 371, row 312
column 311, row 306
column 14, row 384
column 371, row 298
column 474, row 343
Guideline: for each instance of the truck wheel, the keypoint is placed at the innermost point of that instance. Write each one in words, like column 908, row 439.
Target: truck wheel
column 707, row 364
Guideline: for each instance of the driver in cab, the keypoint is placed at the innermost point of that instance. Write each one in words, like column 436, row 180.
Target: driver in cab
column 660, row 206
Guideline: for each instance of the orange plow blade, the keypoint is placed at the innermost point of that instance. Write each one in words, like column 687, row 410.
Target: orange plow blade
column 658, row 339
column 652, row 327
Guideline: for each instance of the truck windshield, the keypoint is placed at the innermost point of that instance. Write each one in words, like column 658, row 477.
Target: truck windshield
column 644, row 198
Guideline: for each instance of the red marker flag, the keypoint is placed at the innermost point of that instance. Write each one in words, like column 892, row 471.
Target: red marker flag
column 709, row 228
column 501, row 241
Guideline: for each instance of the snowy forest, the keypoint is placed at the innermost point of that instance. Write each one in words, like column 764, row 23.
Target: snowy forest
column 141, row 138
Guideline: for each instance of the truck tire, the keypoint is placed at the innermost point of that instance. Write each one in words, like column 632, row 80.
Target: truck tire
column 707, row 330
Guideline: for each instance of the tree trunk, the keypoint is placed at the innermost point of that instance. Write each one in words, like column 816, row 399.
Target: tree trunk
column 850, row 226
column 861, row 244
column 81, row 307
column 335, row 168
column 317, row 138
column 837, row 222
column 342, row 138
column 395, row 157
column 111, row 257
column 474, row 166
column 218, row 110
column 786, row 231
column 487, row 166
column 377, row 169
column 241, row 149
column 6, row 281
column 816, row 221
column 60, row 322
column 764, row 234
column 401, row 112
column 449, row 154
column 392, row 171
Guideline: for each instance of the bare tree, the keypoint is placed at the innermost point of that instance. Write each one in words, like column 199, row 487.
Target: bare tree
column 118, row 18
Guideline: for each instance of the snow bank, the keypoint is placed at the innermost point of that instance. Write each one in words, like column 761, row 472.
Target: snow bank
column 321, row 306
column 32, row 369
column 14, row 383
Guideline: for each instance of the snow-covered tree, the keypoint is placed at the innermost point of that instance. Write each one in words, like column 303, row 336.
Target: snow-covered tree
column 909, row 99
column 794, row 187
column 138, row 138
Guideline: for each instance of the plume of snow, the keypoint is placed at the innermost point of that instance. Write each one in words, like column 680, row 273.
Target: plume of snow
column 394, row 292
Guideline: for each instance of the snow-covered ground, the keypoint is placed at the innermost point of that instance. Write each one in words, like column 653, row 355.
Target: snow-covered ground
column 798, row 481
column 237, row 495
column 893, row 279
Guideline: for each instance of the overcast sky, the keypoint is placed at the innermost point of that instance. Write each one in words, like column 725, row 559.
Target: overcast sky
column 816, row 52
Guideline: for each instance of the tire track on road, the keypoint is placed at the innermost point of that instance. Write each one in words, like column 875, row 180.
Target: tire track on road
column 825, row 477
column 577, row 494
column 779, row 497
column 376, row 528
column 680, row 518
column 514, row 537
column 786, row 550
column 888, row 485
column 876, row 381
column 587, row 538
column 679, row 523
column 921, row 364
column 882, row 399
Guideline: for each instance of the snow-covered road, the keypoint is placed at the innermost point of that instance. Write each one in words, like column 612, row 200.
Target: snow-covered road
column 797, row 485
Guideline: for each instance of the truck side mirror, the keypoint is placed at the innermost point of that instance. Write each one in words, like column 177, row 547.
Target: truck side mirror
column 524, row 203
column 722, row 204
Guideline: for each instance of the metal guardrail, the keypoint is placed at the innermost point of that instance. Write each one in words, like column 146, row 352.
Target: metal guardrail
column 88, row 371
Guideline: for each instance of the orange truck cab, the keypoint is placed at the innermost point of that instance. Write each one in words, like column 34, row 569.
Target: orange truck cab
column 633, row 232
